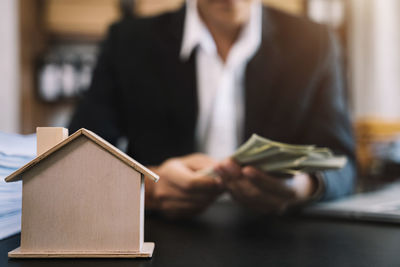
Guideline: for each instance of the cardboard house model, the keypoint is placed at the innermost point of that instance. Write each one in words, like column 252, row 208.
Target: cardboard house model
column 82, row 197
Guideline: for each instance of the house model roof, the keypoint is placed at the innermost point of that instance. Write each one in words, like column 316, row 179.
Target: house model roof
column 16, row 176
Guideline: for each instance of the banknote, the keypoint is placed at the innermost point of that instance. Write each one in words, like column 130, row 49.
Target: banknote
column 276, row 157
column 281, row 159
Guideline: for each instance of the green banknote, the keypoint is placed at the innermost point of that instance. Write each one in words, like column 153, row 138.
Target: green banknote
column 280, row 158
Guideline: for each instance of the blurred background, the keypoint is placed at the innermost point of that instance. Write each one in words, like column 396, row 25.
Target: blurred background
column 48, row 50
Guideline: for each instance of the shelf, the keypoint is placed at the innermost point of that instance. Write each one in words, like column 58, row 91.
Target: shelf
column 296, row 7
column 89, row 19
column 75, row 19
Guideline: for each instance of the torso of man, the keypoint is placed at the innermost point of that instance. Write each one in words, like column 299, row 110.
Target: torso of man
column 220, row 83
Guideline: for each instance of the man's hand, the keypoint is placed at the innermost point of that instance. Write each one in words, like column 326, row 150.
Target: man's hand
column 181, row 190
column 262, row 192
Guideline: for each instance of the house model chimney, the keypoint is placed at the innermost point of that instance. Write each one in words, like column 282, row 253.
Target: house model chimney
column 48, row 137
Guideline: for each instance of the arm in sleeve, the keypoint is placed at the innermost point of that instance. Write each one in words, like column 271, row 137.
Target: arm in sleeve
column 98, row 110
column 328, row 122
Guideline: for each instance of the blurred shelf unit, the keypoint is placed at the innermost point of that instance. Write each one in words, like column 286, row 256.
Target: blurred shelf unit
column 154, row 7
column 371, row 133
column 91, row 18
column 296, row 7
column 79, row 19
column 58, row 46
column 65, row 71
column 335, row 14
column 330, row 12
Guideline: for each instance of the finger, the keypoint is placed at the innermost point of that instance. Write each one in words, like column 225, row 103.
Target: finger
column 246, row 192
column 204, row 184
column 268, row 183
column 228, row 170
column 184, row 178
column 251, row 196
column 198, row 161
column 235, row 189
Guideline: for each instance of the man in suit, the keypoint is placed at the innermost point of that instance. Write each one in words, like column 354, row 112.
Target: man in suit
column 187, row 87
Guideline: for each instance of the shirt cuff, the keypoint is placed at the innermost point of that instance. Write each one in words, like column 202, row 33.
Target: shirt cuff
column 320, row 186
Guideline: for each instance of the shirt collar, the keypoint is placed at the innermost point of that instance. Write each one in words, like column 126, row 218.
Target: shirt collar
column 195, row 32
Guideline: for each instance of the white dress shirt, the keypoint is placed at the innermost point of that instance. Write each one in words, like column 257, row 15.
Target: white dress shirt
column 220, row 85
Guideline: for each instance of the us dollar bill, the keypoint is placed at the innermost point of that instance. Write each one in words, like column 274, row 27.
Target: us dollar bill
column 283, row 160
column 280, row 158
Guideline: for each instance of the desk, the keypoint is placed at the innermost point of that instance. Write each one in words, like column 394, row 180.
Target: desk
column 228, row 236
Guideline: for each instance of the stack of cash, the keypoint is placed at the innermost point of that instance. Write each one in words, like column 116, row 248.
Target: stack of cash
column 284, row 159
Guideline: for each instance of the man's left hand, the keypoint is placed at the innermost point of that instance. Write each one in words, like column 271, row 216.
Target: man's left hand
column 262, row 192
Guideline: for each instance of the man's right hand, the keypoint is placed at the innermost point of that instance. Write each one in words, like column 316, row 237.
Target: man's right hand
column 182, row 191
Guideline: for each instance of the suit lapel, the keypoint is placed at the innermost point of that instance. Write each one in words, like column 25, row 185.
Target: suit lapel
column 261, row 76
column 262, row 73
column 181, row 79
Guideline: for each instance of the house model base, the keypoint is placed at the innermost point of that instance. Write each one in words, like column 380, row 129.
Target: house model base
column 147, row 252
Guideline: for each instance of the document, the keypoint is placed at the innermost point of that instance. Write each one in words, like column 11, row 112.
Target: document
column 15, row 151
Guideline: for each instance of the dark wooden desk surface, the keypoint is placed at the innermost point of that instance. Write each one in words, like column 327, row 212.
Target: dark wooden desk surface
column 227, row 236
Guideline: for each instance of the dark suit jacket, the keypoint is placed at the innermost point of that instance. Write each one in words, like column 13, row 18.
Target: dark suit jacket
column 293, row 91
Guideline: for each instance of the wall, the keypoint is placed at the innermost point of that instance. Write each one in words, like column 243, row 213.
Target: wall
column 375, row 58
column 9, row 87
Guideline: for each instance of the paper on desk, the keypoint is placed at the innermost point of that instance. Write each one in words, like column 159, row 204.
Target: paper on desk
column 18, row 145
column 10, row 225
column 12, row 162
column 10, row 208
column 15, row 151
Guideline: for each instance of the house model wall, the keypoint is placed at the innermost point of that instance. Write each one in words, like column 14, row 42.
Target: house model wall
column 81, row 199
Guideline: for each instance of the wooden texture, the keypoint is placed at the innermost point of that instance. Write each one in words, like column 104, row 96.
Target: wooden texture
column 16, row 176
column 48, row 137
column 146, row 252
column 91, row 18
column 154, row 7
column 32, row 43
column 147, row 8
column 80, row 17
column 372, row 131
column 296, row 7
column 141, row 213
column 82, row 198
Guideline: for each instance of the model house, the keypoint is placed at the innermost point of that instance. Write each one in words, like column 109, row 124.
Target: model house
column 82, row 197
